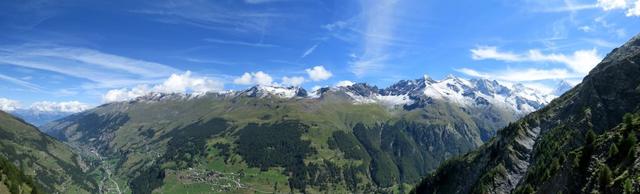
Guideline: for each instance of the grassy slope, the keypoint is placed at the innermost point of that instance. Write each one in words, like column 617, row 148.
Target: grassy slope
column 141, row 137
column 57, row 168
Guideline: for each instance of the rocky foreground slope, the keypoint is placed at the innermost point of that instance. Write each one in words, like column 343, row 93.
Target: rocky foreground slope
column 577, row 144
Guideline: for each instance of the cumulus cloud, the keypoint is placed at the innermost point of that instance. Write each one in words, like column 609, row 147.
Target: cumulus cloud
column 612, row 4
column 124, row 94
column 580, row 61
column 176, row 83
column 249, row 78
column 292, row 81
column 186, row 83
column 635, row 10
column 318, row 73
column 245, row 79
column 69, row 107
column 632, row 7
column 8, row 104
column 344, row 83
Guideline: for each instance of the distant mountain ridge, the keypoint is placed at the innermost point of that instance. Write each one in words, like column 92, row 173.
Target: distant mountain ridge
column 41, row 113
column 351, row 138
column 408, row 93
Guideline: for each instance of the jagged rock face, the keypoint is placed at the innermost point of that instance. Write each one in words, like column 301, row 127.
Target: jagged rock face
column 363, row 89
column 475, row 93
column 407, row 86
column 509, row 161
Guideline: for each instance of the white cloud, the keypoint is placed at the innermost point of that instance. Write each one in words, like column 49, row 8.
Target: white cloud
column 45, row 106
column 260, row 78
column 318, row 73
column 8, row 104
column 70, row 106
column 344, row 83
column 309, row 51
column 632, row 7
column 185, row 83
column 19, row 82
column 519, row 75
column 245, row 79
column 104, row 60
column 473, row 73
column 544, row 88
column 99, row 69
column 176, row 83
column 125, row 94
column 491, row 52
column 612, row 4
column 261, row 1
column 212, row 15
column 635, row 10
column 292, row 81
column 378, row 35
column 585, row 28
column 240, row 43
column 580, row 61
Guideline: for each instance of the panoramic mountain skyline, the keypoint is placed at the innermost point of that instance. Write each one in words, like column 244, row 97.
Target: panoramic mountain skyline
column 319, row 96
column 89, row 53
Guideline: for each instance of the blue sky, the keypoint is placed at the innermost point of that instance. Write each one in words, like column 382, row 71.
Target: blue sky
column 94, row 52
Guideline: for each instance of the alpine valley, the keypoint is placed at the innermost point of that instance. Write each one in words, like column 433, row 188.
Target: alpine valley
column 344, row 139
column 319, row 97
column 353, row 138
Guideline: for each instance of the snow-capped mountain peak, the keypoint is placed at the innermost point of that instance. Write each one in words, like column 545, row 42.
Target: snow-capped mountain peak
column 277, row 91
column 562, row 87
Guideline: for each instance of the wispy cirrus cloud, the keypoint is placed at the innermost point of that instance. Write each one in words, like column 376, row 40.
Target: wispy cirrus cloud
column 377, row 35
column 262, row 1
column 309, row 50
column 240, row 43
column 101, row 70
column 210, row 15
column 520, row 75
column 580, row 61
column 631, row 7
column 540, row 68
column 20, row 82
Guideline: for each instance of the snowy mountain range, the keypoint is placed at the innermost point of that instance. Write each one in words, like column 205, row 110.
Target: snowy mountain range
column 407, row 94
column 464, row 92
column 410, row 94
column 40, row 113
